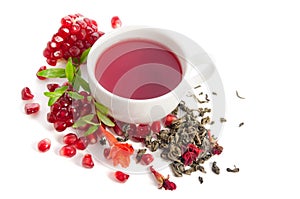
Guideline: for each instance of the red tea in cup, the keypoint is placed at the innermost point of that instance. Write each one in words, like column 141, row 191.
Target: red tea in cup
column 138, row 69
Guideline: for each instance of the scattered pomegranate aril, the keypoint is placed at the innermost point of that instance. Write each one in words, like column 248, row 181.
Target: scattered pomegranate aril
column 26, row 94
column 60, row 126
column 52, row 87
column 87, row 161
column 31, row 108
column 121, row 177
column 147, row 159
column 44, row 145
column 142, row 130
column 41, row 69
column 92, row 138
column 106, row 152
column 116, row 22
column 67, row 151
column 168, row 120
column 70, row 138
column 81, row 143
column 155, row 127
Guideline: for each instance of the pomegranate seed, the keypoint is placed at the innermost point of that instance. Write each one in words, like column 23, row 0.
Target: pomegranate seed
column 142, row 130
column 67, row 151
column 60, row 126
column 26, row 94
column 106, row 152
column 51, row 118
column 92, row 138
column 121, row 177
column 51, row 62
column 169, row 119
column 87, row 161
column 81, row 143
column 31, row 108
column 155, row 127
column 41, row 69
column 116, row 22
column 147, row 159
column 52, row 87
column 44, row 145
column 70, row 138
column 118, row 130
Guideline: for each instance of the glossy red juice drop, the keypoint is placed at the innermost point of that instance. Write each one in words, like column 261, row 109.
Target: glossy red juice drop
column 138, row 69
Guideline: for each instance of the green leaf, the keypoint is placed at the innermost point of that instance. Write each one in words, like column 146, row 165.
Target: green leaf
column 82, row 83
column 75, row 83
column 103, row 118
column 53, row 73
column 91, row 130
column 52, row 100
column 83, row 120
column 84, row 55
column 100, row 107
column 55, row 95
column 70, row 70
column 75, row 95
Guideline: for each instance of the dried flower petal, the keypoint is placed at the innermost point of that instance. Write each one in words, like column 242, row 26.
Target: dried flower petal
column 119, row 152
column 162, row 181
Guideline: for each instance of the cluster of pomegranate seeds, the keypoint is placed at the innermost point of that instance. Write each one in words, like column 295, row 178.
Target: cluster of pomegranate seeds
column 76, row 34
column 121, row 177
column 44, row 145
column 65, row 111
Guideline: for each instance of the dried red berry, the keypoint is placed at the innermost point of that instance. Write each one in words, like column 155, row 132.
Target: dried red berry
column 31, row 108
column 116, row 22
column 41, row 69
column 121, row 177
column 87, row 161
column 67, row 151
column 44, row 145
column 70, row 138
column 26, row 94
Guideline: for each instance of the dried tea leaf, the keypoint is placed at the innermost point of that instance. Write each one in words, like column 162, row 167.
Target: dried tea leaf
column 241, row 124
column 234, row 170
column 214, row 93
column 223, row 120
column 237, row 94
column 197, row 86
column 200, row 179
column 215, row 168
column 139, row 154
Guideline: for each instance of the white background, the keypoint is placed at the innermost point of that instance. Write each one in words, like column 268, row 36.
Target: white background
column 256, row 48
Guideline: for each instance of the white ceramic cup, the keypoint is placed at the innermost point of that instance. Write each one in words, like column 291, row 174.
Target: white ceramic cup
column 196, row 68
